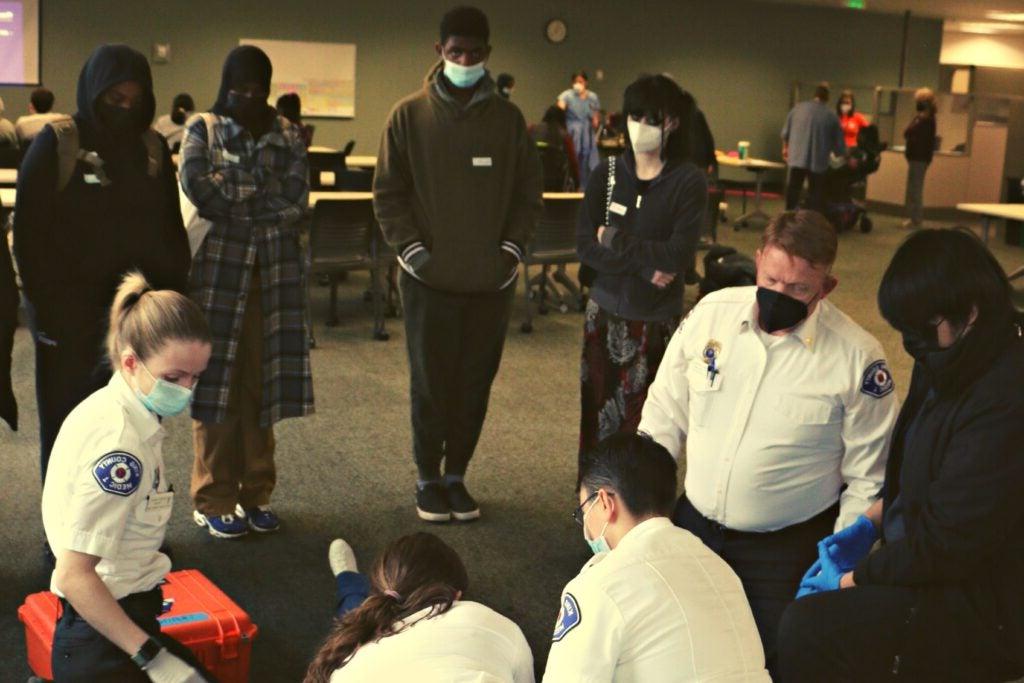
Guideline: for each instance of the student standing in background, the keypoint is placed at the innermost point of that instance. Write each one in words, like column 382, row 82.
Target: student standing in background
column 251, row 179
column 810, row 136
column 289, row 106
column 920, row 139
column 172, row 126
column 79, row 227
column 639, row 242
column 457, row 192
column 583, row 116
column 850, row 120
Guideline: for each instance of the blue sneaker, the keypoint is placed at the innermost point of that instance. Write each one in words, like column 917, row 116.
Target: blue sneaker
column 221, row 526
column 261, row 518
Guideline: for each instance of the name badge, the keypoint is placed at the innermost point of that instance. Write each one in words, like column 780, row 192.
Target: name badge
column 617, row 208
column 90, row 179
column 482, row 162
column 159, row 501
column 231, row 158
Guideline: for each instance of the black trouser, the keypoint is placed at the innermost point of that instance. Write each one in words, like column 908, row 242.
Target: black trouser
column 68, row 369
column 815, row 189
column 81, row 655
column 861, row 634
column 770, row 565
column 454, row 342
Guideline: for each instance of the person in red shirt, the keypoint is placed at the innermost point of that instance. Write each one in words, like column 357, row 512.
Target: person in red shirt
column 850, row 119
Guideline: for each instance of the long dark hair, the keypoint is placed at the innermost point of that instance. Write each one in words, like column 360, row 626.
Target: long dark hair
column 659, row 97
column 945, row 273
column 421, row 570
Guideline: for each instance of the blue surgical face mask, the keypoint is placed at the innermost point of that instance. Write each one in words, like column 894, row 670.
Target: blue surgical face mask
column 597, row 545
column 463, row 76
column 166, row 399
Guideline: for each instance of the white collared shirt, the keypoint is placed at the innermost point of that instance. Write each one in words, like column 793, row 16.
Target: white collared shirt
column 771, row 441
column 106, row 494
column 470, row 643
column 660, row 607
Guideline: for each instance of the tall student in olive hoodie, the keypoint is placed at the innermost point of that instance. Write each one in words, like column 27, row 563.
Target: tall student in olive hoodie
column 457, row 192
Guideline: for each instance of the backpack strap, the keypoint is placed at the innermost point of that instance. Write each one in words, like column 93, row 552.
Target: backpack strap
column 67, row 149
column 608, row 193
column 154, row 152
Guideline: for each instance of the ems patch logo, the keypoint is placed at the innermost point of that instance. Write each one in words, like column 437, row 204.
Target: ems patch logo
column 877, row 380
column 119, row 473
column 568, row 617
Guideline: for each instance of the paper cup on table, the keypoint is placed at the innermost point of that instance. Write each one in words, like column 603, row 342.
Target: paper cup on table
column 743, row 147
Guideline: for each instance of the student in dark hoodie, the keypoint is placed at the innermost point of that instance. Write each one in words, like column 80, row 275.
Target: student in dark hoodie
column 119, row 211
column 457, row 191
column 251, row 180
column 639, row 241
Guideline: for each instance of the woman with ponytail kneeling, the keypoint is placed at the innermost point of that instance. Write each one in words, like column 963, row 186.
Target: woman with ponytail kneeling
column 107, row 498
column 407, row 621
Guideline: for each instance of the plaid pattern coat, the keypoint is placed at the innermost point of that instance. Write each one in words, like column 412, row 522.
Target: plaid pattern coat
column 254, row 192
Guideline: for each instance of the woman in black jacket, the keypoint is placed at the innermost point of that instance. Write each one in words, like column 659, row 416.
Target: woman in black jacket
column 637, row 243
column 920, row 139
column 942, row 598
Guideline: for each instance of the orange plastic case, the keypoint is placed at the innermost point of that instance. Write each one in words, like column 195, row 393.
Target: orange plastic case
column 196, row 613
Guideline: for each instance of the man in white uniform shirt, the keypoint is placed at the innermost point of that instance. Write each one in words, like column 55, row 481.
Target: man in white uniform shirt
column 654, row 604
column 785, row 407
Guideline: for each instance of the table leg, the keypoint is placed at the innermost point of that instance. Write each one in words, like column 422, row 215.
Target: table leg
column 756, row 212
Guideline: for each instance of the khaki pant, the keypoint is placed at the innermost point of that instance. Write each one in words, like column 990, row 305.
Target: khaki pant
column 234, row 459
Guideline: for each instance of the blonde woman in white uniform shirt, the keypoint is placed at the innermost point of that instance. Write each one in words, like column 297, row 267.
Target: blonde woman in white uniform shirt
column 407, row 621
column 107, row 499
column 655, row 604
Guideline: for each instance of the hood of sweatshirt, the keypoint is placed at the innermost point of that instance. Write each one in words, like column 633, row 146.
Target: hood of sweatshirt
column 109, row 65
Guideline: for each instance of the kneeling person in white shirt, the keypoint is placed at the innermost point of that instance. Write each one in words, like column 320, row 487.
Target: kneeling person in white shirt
column 654, row 604
column 407, row 621
column 785, row 407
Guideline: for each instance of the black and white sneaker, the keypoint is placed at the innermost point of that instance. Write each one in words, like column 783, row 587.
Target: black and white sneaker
column 432, row 503
column 463, row 506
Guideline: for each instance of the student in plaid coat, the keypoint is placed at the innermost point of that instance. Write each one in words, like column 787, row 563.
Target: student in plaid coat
column 251, row 181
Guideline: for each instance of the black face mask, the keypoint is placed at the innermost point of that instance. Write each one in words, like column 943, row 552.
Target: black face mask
column 118, row 121
column 777, row 311
column 921, row 106
column 245, row 108
column 178, row 116
column 938, row 361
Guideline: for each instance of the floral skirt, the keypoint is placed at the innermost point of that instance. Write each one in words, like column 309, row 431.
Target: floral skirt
column 620, row 360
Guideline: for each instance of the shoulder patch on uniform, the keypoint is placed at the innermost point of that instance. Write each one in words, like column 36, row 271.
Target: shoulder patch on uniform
column 119, row 473
column 569, row 617
column 877, row 380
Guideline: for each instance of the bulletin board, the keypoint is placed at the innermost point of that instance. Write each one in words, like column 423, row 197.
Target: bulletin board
column 323, row 75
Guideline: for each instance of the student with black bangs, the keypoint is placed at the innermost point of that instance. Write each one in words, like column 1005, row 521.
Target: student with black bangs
column 941, row 598
column 637, row 231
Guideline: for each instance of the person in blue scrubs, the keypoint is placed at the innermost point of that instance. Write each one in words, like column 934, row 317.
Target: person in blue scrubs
column 583, row 116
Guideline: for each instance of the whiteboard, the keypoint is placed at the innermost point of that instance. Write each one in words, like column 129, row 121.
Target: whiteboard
column 323, row 75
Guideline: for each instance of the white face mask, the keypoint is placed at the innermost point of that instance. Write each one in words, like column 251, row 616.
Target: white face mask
column 463, row 76
column 644, row 137
column 578, row 87
column 846, row 108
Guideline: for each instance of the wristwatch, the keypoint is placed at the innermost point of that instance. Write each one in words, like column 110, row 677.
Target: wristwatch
column 149, row 650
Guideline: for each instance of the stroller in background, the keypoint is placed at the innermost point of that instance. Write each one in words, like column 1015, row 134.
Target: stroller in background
column 842, row 208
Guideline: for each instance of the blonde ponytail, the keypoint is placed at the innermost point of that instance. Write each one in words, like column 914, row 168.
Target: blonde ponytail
column 145, row 319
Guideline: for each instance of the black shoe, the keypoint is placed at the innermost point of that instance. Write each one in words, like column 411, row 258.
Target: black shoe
column 463, row 507
column 432, row 503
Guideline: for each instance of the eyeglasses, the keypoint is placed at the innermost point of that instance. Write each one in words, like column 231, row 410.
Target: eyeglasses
column 578, row 513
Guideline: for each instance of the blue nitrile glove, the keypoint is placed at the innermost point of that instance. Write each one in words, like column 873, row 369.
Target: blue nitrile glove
column 823, row 576
column 849, row 546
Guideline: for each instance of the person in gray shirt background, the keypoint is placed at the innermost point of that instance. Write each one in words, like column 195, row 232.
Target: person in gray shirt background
column 812, row 132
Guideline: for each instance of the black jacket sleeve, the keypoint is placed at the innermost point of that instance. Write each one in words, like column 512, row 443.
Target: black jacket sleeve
column 171, row 266
column 34, row 229
column 8, row 324
column 972, row 504
column 591, row 216
column 674, row 254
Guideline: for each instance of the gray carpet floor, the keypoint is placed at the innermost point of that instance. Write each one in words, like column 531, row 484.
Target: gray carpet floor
column 347, row 471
